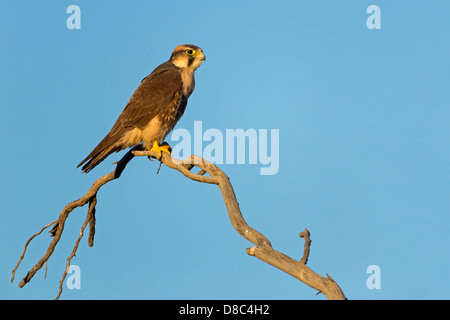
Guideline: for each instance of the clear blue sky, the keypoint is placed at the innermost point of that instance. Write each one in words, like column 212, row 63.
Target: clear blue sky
column 363, row 117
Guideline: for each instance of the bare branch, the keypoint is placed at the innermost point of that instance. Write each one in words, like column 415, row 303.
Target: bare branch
column 208, row 173
column 56, row 232
column 91, row 215
column 26, row 246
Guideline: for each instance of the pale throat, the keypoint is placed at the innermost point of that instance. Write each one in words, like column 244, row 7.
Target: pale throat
column 187, row 74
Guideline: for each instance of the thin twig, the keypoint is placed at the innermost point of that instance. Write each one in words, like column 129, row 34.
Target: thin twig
column 75, row 248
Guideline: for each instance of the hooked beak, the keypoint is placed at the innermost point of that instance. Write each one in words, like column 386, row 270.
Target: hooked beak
column 201, row 56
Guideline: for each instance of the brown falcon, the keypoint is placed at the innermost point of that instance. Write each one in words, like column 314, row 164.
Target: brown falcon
column 154, row 108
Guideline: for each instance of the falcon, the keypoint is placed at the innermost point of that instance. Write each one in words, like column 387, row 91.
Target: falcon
column 153, row 109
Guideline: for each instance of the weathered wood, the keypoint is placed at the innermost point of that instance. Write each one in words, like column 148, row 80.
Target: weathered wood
column 263, row 249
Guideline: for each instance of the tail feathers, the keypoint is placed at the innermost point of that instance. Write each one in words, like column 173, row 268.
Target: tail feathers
column 97, row 159
column 103, row 150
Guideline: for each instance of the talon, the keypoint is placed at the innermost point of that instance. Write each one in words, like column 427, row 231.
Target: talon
column 166, row 148
column 163, row 148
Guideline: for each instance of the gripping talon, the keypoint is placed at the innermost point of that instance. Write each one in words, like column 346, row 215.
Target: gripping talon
column 163, row 148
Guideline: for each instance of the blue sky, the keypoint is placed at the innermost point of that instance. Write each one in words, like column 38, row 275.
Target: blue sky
column 364, row 147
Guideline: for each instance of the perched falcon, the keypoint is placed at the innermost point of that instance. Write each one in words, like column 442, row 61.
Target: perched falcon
column 154, row 108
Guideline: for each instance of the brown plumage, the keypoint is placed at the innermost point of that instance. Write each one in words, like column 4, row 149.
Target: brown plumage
column 154, row 108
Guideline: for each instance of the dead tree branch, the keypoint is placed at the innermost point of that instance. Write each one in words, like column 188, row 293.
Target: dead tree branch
column 262, row 250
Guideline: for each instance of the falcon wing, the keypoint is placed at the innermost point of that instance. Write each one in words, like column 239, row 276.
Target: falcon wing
column 155, row 92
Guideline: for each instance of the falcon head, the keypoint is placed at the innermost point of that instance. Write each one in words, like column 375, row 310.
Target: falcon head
column 187, row 56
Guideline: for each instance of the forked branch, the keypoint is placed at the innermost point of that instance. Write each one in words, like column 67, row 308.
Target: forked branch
column 262, row 250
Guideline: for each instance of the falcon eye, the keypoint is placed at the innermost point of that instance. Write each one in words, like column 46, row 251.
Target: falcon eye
column 190, row 52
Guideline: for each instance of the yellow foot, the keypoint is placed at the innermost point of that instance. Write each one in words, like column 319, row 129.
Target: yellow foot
column 159, row 148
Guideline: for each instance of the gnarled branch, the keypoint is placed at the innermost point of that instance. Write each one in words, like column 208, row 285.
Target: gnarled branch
column 262, row 250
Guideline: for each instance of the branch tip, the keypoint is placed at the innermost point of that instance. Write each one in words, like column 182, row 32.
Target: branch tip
column 251, row 251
